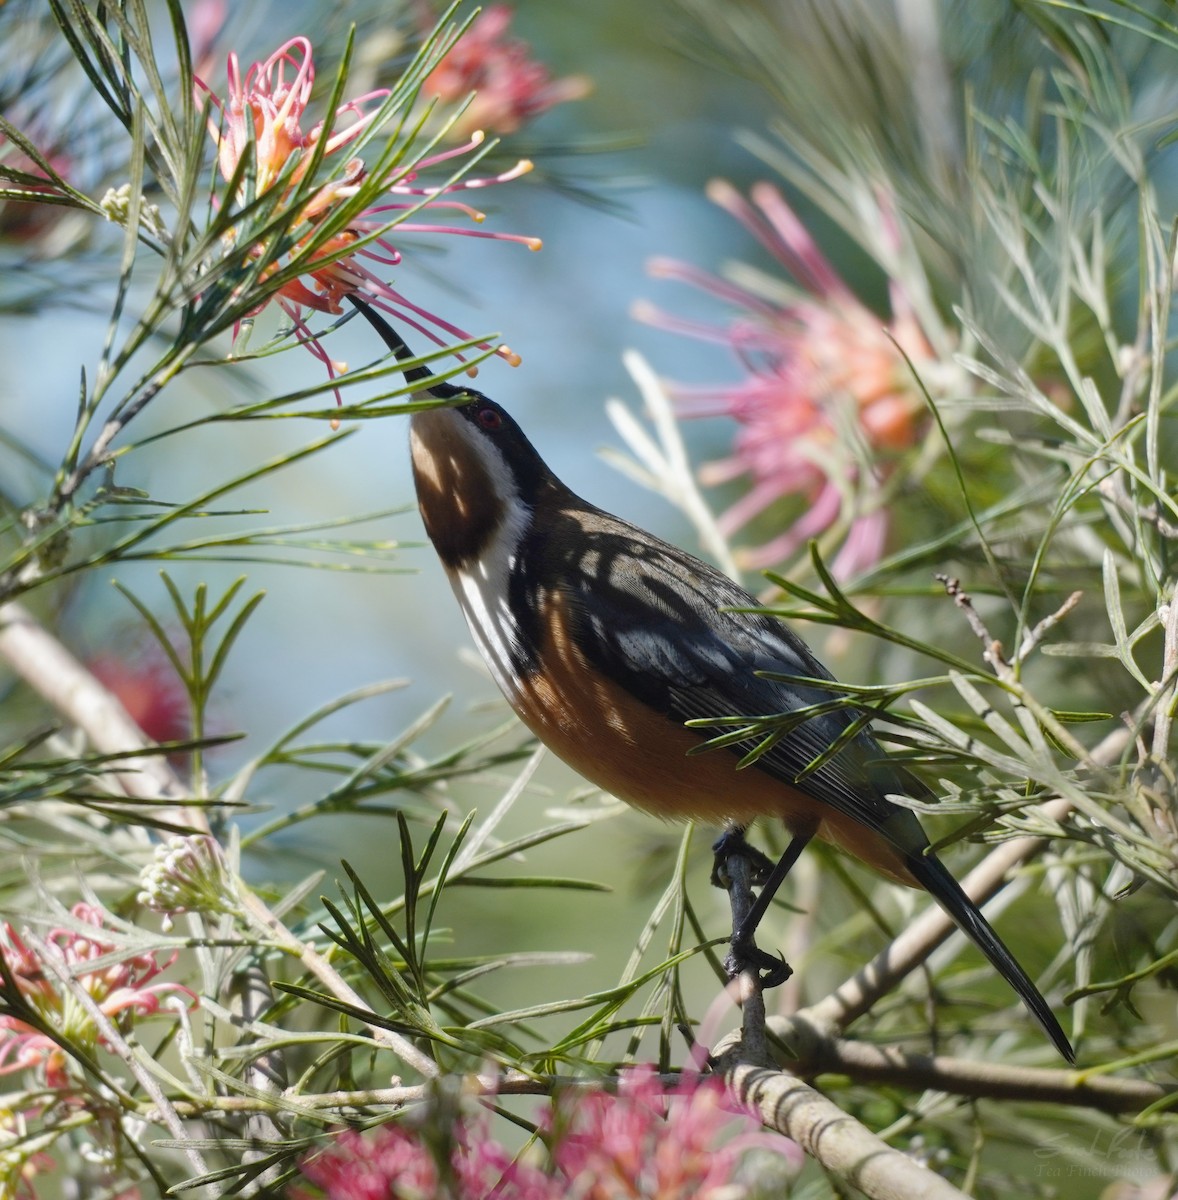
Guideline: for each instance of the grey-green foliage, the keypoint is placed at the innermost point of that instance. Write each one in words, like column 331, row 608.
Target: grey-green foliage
column 1032, row 239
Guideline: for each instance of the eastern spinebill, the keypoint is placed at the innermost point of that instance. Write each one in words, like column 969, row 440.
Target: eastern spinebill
column 606, row 640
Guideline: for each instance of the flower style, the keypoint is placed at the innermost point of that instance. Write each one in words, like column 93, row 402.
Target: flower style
column 262, row 117
column 511, row 88
column 827, row 395
column 123, row 991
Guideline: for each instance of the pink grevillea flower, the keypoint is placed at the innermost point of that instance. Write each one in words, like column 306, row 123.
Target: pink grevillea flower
column 24, row 220
column 510, row 86
column 827, row 397
column 147, row 686
column 685, row 1142
column 647, row 1142
column 263, row 115
column 122, row 990
column 393, row 1162
column 385, row 1163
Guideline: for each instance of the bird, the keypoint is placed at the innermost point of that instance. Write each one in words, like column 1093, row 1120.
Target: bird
column 607, row 641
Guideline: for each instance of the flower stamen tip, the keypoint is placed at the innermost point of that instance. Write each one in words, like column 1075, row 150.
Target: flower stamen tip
column 721, row 192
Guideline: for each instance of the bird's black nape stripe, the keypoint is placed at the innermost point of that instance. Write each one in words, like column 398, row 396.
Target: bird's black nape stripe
column 397, row 344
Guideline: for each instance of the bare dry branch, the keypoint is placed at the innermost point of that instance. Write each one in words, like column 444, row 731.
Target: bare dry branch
column 809, row 1053
column 841, row 1144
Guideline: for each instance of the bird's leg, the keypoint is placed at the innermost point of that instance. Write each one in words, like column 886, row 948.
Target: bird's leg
column 745, row 954
column 730, row 843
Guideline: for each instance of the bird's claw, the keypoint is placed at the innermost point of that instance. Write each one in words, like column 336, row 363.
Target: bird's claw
column 730, row 844
column 769, row 970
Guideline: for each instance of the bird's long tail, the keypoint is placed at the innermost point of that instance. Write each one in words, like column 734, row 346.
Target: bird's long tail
column 934, row 877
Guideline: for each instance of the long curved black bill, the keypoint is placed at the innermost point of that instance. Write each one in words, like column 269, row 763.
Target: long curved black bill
column 397, row 344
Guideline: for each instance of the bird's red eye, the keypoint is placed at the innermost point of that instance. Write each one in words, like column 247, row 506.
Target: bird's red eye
column 490, row 419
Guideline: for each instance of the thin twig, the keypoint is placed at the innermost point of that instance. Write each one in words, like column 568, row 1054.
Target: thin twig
column 991, row 647
column 1164, row 714
column 1045, row 626
column 809, row 1052
column 1043, row 720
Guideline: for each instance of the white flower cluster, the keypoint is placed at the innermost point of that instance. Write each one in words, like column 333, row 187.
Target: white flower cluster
column 189, row 874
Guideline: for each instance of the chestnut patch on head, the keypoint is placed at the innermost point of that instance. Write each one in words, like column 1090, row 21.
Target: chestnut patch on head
column 456, row 491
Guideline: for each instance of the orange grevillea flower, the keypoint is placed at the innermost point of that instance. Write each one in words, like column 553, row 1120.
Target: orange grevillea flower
column 826, row 396
column 263, row 115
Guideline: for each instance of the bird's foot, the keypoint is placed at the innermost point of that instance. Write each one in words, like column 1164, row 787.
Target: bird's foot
column 732, row 843
column 769, row 970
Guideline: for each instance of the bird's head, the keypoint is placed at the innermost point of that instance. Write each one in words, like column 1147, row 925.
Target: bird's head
column 475, row 471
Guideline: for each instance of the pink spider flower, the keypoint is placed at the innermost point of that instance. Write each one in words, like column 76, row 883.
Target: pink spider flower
column 511, row 87
column 146, row 684
column 647, row 1142
column 266, row 107
column 686, row 1142
column 123, row 990
column 389, row 1161
column 26, row 220
column 827, row 397
column 393, row 1162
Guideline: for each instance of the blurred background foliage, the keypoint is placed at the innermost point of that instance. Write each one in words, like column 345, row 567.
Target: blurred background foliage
column 1001, row 130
